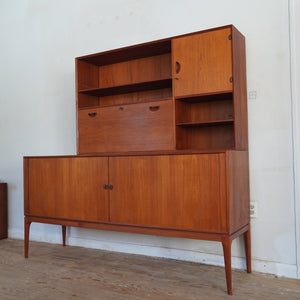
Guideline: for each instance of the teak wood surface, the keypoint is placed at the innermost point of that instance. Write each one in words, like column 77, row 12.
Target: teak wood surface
column 134, row 127
column 180, row 192
column 138, row 194
column 68, row 188
column 203, row 63
column 162, row 143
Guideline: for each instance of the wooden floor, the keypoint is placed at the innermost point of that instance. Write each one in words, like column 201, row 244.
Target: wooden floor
column 56, row 272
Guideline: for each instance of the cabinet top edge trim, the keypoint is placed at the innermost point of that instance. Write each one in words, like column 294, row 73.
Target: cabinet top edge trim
column 148, row 153
column 112, row 56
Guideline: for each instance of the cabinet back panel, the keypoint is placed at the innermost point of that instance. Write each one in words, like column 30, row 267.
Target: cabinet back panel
column 136, row 97
column 137, row 70
column 205, row 137
column 135, row 127
column 204, row 111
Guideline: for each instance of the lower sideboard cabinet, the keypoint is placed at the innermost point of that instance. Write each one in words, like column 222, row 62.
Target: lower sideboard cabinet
column 199, row 196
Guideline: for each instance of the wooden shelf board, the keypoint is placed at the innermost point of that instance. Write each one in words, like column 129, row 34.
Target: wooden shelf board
column 128, row 53
column 127, row 103
column 129, row 88
column 224, row 95
column 206, row 123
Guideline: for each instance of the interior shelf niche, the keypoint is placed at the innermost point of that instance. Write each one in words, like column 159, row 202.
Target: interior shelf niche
column 101, row 84
column 205, row 122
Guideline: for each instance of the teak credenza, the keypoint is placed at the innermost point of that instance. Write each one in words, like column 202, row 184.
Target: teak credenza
column 162, row 143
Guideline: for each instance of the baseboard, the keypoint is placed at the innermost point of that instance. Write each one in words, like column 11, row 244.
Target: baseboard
column 269, row 267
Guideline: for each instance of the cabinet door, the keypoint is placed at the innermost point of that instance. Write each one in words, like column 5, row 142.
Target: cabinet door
column 70, row 188
column 202, row 63
column 135, row 127
column 177, row 191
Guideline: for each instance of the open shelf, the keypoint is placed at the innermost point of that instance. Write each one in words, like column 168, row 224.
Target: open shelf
column 125, row 103
column 206, row 97
column 206, row 123
column 128, row 53
column 217, row 136
column 128, row 88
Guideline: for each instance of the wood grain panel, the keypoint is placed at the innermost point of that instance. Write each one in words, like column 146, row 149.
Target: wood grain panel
column 68, row 188
column 205, row 137
column 3, row 211
column 135, row 127
column 136, row 97
column 202, row 63
column 167, row 191
column 87, row 75
column 203, row 111
column 87, row 101
column 240, row 90
column 137, row 70
column 237, row 166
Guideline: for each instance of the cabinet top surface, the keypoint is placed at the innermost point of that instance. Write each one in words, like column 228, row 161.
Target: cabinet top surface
column 155, row 47
column 145, row 153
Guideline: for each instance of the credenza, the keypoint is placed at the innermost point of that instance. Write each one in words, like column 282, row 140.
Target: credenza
column 162, row 145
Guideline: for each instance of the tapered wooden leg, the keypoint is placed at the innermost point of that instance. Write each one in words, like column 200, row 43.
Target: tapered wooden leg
column 247, row 238
column 26, row 236
column 63, row 230
column 226, row 243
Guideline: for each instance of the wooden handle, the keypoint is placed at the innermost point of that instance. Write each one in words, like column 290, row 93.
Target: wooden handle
column 92, row 115
column 154, row 108
column 177, row 67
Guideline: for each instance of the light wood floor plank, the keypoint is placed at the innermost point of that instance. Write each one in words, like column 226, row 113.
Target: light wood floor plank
column 56, row 272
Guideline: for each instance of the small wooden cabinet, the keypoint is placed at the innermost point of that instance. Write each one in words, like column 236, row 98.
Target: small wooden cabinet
column 162, row 144
column 3, row 211
column 202, row 63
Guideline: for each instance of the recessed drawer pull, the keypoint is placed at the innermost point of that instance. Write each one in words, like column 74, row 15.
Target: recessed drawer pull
column 92, row 115
column 154, row 108
column 177, row 67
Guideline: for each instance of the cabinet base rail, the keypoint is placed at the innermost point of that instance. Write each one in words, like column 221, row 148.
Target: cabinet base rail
column 225, row 239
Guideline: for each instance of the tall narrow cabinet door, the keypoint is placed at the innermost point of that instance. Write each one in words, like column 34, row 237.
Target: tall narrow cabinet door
column 175, row 191
column 70, row 188
column 202, row 63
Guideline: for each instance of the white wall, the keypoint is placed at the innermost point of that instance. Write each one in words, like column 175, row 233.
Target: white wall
column 295, row 88
column 39, row 41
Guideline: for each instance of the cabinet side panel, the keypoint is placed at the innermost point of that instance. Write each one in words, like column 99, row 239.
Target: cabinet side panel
column 237, row 163
column 3, row 210
column 25, row 183
column 87, row 75
column 239, row 90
